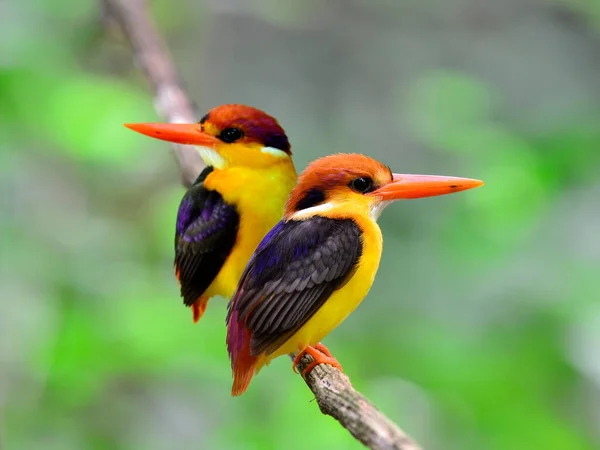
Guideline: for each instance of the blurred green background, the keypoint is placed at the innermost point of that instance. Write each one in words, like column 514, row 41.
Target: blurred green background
column 482, row 330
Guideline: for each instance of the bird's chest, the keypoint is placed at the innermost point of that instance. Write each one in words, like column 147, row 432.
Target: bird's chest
column 259, row 201
column 257, row 195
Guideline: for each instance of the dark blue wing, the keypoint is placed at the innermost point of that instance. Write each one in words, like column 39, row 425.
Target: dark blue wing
column 294, row 270
column 205, row 233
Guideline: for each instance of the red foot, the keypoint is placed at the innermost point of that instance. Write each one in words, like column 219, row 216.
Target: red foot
column 320, row 354
column 198, row 308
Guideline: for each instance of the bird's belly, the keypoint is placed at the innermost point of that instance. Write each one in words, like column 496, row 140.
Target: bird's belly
column 251, row 231
column 342, row 302
column 224, row 283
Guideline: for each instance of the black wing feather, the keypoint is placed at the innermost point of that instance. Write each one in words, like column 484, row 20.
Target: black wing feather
column 297, row 266
column 205, row 235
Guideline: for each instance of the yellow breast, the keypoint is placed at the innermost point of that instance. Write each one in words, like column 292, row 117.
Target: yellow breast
column 259, row 196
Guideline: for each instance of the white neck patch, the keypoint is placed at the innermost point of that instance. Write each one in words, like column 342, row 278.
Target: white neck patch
column 374, row 212
column 275, row 152
column 304, row 213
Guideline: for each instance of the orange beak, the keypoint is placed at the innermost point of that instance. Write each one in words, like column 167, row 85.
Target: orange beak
column 404, row 186
column 179, row 133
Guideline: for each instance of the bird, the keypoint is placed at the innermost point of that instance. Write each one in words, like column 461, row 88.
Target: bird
column 318, row 263
column 233, row 203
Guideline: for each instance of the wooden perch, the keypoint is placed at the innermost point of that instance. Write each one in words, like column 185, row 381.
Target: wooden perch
column 333, row 391
column 337, row 398
column 151, row 54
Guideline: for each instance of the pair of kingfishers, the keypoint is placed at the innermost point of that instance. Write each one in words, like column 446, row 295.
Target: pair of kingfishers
column 291, row 280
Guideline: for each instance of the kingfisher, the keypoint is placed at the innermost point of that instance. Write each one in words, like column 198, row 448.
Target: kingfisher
column 233, row 203
column 319, row 262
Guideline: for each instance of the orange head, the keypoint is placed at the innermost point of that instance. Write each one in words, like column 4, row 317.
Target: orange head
column 346, row 184
column 229, row 135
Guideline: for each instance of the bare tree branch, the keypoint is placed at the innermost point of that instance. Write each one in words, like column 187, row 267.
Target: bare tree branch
column 152, row 55
column 337, row 398
column 333, row 391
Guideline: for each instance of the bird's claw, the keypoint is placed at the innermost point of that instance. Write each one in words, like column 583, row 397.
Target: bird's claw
column 320, row 354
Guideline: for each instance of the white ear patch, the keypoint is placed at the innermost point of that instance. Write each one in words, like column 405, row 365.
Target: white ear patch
column 211, row 157
column 275, row 152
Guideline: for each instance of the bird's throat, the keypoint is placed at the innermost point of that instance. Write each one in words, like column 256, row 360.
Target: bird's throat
column 211, row 157
column 376, row 208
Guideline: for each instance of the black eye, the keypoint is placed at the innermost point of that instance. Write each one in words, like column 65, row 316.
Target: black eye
column 230, row 135
column 362, row 185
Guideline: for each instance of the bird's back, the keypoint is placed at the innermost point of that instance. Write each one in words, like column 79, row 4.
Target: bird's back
column 345, row 298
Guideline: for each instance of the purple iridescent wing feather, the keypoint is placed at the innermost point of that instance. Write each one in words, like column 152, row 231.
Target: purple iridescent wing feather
column 294, row 270
column 205, row 233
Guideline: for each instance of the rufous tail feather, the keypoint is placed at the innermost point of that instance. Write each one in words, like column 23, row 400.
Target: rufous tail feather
column 243, row 364
column 198, row 308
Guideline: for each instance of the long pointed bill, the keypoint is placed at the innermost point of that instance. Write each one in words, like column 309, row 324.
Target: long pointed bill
column 406, row 186
column 179, row 133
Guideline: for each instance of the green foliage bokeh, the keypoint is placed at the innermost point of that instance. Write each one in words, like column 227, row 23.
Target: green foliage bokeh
column 482, row 328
